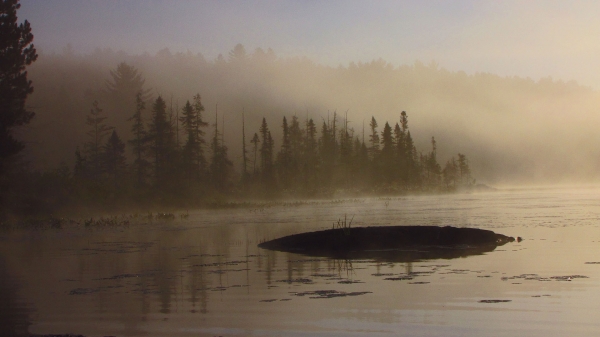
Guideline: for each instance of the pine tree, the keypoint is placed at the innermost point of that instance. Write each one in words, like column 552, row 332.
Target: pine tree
column 198, row 126
column 114, row 164
column 16, row 52
column 284, row 156
column 465, row 171
column 450, row 173
column 98, row 130
column 373, row 139
column 412, row 163
column 296, row 149
column 255, row 140
column 386, row 158
column 244, row 151
column 266, row 153
column 310, row 159
column 125, row 83
column 220, row 166
column 139, row 141
column 432, row 167
column 160, row 137
column 400, row 142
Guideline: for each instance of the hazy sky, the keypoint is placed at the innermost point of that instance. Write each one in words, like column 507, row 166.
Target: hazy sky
column 524, row 38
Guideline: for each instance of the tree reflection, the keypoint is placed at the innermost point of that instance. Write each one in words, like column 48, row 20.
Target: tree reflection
column 14, row 315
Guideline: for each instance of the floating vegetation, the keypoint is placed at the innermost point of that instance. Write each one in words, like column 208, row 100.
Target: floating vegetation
column 401, row 278
column 297, row 280
column 118, row 247
column 219, row 264
column 349, row 281
column 494, row 301
column 592, row 262
column 536, row 277
column 324, row 275
column 165, row 216
column 85, row 291
column 330, row 293
column 419, row 282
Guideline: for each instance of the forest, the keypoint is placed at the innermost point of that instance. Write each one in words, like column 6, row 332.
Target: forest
column 172, row 157
column 114, row 131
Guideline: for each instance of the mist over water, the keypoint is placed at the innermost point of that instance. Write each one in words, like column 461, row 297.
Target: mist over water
column 513, row 130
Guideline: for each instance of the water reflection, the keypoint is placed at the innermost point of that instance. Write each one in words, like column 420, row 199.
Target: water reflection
column 14, row 315
column 208, row 277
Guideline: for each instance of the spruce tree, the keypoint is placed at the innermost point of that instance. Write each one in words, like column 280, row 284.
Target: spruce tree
column 373, row 139
column 255, row 140
column 266, row 153
column 284, row 156
column 98, row 130
column 199, row 132
column 220, row 166
column 114, row 164
column 386, row 158
column 16, row 53
column 139, row 142
column 125, row 83
column 465, row 171
column 160, row 137
column 450, row 172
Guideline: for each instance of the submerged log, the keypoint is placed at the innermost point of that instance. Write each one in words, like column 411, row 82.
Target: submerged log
column 391, row 243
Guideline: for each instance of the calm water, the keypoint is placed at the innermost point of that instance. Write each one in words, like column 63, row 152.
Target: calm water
column 205, row 276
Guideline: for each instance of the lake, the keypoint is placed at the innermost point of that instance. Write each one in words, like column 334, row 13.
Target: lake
column 204, row 275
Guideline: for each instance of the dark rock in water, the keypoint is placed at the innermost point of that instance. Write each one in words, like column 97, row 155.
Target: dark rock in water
column 392, row 243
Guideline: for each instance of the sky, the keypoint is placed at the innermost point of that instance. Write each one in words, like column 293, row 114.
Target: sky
column 536, row 39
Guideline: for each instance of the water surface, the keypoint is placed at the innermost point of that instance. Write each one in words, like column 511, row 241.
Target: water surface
column 205, row 276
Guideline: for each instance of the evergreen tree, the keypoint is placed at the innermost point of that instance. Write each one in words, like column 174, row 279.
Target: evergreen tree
column 373, row 139
column 326, row 156
column 266, row 153
column 255, row 140
column 386, row 158
column 244, row 151
column 412, row 163
column 284, row 157
column 238, row 54
column 114, row 159
column 193, row 161
column 125, row 83
column 296, row 149
column 198, row 126
column 465, row 171
column 346, row 158
column 139, row 141
column 16, row 52
column 98, row 130
column 81, row 166
column 450, row 173
column 310, row 159
column 220, row 166
column 432, row 168
column 161, row 143
column 401, row 161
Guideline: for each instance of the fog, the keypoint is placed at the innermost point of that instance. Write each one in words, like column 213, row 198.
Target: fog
column 514, row 130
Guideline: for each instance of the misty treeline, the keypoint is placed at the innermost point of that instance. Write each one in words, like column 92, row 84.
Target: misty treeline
column 513, row 129
column 178, row 159
column 509, row 128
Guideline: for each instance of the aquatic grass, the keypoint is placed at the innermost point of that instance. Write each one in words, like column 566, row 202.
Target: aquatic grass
column 344, row 225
